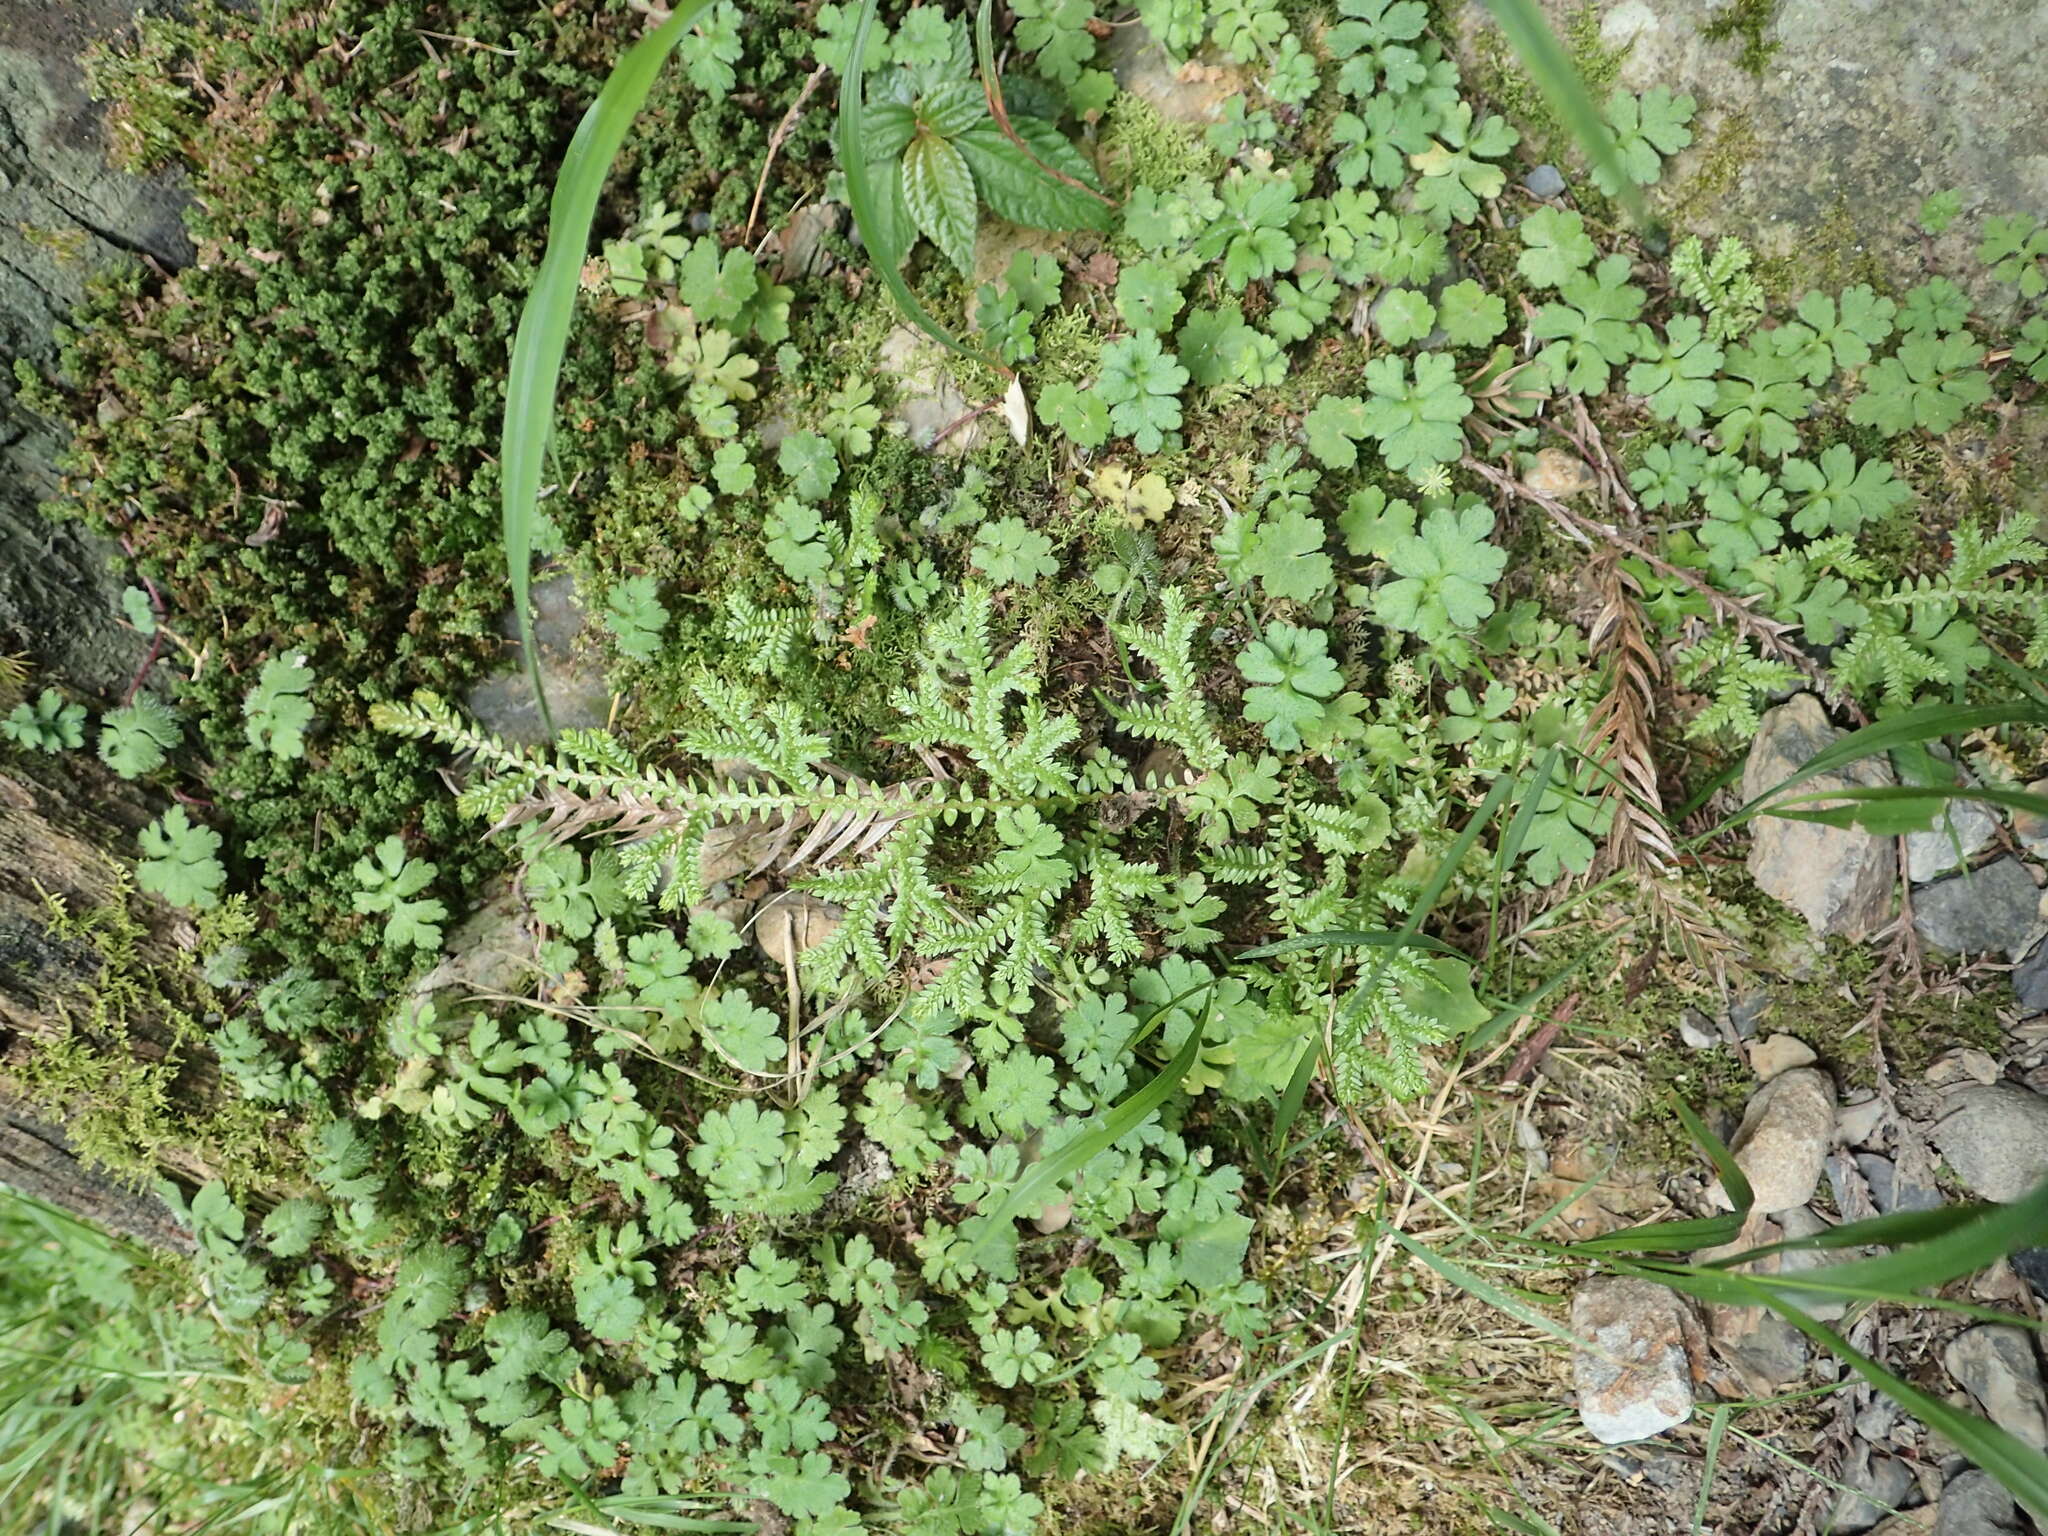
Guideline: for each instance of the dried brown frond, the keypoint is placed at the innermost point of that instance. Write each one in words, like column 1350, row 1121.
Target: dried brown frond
column 743, row 844
column 1619, row 739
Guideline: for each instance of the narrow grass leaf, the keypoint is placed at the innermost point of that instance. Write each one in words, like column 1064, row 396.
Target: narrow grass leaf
column 1928, row 723
column 535, row 371
column 1893, row 809
column 1550, row 67
column 1485, row 1290
column 1717, row 1431
column 1034, row 1186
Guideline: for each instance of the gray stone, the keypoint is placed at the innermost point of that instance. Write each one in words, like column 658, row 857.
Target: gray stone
column 1996, row 1362
column 1996, row 909
column 578, row 693
column 1973, row 1504
column 65, row 215
column 1891, row 1193
column 1995, row 1139
column 2030, row 981
column 2031, row 1265
column 1545, row 182
column 1778, row 1054
column 1964, row 827
column 1631, row 1361
column 1860, row 111
column 1746, row 1012
column 1838, row 878
column 1768, row 1352
column 1696, row 1031
column 1880, row 1484
column 1784, row 1137
column 1858, row 1122
column 927, row 400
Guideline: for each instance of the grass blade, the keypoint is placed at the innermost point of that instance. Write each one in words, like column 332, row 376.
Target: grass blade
column 1717, row 1430
column 1962, row 1250
column 1891, row 809
column 535, row 371
column 1914, row 725
column 1037, row 1182
column 1550, row 67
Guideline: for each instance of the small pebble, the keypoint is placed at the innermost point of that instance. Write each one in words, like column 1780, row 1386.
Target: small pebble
column 1962, row 1064
column 1778, row 1053
column 1784, row 1137
column 1544, row 181
column 1696, row 1031
column 1746, row 1012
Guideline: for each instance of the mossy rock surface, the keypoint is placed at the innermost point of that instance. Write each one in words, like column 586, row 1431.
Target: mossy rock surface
column 1822, row 127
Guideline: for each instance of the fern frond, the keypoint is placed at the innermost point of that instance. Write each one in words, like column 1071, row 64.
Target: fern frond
column 1378, row 1036
column 762, row 637
column 1181, row 719
column 964, row 697
column 1115, row 887
column 1618, row 735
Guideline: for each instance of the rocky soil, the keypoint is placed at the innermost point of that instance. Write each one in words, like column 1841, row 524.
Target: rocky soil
column 1972, row 1126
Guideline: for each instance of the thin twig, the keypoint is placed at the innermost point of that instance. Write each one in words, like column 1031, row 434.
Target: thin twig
column 777, row 139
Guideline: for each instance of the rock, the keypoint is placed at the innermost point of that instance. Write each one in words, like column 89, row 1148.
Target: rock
column 1784, row 1137
column 1746, row 1012
column 1779, row 1054
column 799, row 246
column 2030, row 981
column 1824, row 150
column 1961, row 1064
column 2031, row 827
column 1545, row 182
column 1838, row 878
column 1559, row 474
column 1879, row 1485
column 1891, row 1193
column 1973, row 1504
column 1696, row 1031
column 1964, row 827
column 489, row 951
column 1631, row 1361
column 1857, row 1123
column 927, row 400
column 1765, row 1350
column 2031, row 1265
column 1875, row 1420
column 793, row 922
column 1996, row 1362
column 1996, row 908
column 1181, row 93
column 1995, row 1139
column 65, row 216
column 578, row 693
